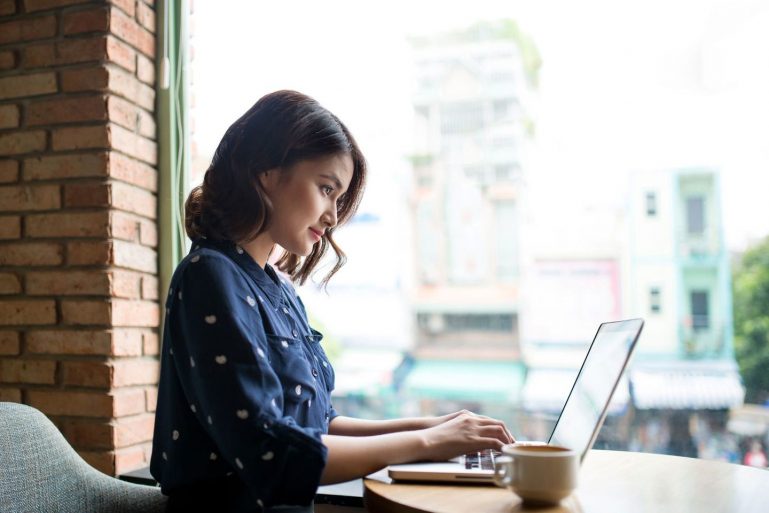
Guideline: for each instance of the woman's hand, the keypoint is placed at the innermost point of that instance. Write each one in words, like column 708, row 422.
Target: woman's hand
column 462, row 432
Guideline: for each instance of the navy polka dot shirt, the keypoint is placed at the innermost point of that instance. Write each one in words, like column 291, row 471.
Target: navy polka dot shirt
column 245, row 386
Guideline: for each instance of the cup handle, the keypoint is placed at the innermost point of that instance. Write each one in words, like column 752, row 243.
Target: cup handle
column 503, row 471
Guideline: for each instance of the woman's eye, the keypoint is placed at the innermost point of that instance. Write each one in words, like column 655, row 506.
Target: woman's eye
column 327, row 189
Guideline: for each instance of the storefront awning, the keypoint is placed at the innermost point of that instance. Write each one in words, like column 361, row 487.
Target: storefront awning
column 680, row 389
column 481, row 381
column 546, row 390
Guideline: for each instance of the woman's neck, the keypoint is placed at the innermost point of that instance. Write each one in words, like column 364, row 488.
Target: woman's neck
column 259, row 248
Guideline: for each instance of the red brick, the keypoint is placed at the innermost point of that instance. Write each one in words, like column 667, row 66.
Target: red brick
column 11, row 395
column 123, row 112
column 146, row 125
column 132, row 171
column 24, row 197
column 145, row 69
column 151, row 342
column 134, row 430
column 125, row 284
column 84, row 312
column 93, row 194
column 91, row 20
column 76, row 404
column 133, row 199
column 67, row 110
column 9, row 170
column 148, row 233
column 27, row 29
column 128, row 85
column 126, row 312
column 9, row 116
column 9, row 343
column 128, row 6
column 27, row 85
column 41, row 372
column 128, row 402
column 124, row 226
column 67, row 283
column 87, row 433
column 16, row 143
column 31, row 254
column 81, row 137
column 133, row 144
column 130, row 31
column 130, row 458
column 9, row 283
column 44, row 5
column 68, row 51
column 52, row 167
column 69, row 342
column 68, row 224
column 89, row 253
column 103, row 461
column 152, row 398
column 85, row 79
column 134, row 256
column 150, row 288
column 121, row 54
column 146, row 16
column 115, row 342
column 8, row 59
column 127, row 342
column 7, row 7
column 135, row 371
column 10, row 228
column 27, row 312
column 86, row 374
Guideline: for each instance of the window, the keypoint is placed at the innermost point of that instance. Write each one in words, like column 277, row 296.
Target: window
column 695, row 215
column 478, row 322
column 700, row 310
column 654, row 300
column 506, row 239
column 651, row 204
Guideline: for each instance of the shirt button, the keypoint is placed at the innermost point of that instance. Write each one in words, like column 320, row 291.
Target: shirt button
column 285, row 311
column 314, row 373
column 295, row 333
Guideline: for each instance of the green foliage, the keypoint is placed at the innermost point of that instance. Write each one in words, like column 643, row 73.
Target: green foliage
column 751, row 320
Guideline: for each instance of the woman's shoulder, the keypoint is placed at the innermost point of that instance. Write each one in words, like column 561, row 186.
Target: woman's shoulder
column 207, row 263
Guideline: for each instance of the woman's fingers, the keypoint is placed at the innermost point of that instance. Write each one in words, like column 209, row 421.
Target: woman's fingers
column 488, row 421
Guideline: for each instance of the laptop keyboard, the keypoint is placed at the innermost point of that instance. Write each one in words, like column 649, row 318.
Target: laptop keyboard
column 483, row 460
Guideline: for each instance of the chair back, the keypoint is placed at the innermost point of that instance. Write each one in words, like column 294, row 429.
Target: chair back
column 41, row 473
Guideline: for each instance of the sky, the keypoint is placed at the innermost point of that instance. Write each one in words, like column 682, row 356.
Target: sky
column 625, row 86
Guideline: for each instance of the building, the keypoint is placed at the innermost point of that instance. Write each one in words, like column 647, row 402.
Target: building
column 471, row 129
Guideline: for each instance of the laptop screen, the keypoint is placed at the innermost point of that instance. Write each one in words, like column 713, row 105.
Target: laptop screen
column 585, row 409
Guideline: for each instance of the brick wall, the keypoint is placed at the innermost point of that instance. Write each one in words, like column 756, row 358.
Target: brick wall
column 79, row 308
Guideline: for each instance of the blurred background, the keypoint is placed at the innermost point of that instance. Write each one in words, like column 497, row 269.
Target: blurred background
column 536, row 168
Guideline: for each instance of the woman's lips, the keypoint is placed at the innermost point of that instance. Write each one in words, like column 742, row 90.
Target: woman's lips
column 316, row 234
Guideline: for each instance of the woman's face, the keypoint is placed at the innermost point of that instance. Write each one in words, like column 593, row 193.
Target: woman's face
column 304, row 200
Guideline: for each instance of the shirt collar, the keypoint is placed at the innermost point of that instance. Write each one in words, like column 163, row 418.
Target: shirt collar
column 267, row 279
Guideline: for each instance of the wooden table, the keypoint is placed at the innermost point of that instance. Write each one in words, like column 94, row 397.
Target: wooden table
column 609, row 481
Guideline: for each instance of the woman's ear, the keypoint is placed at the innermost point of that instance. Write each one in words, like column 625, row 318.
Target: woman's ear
column 269, row 180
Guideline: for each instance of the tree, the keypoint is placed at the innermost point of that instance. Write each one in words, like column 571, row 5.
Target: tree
column 751, row 320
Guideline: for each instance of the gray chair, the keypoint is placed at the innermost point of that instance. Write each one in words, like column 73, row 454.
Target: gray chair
column 41, row 473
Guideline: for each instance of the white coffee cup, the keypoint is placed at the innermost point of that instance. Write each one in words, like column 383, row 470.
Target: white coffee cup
column 538, row 474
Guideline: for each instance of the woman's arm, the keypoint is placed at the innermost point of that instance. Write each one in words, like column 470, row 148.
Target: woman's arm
column 351, row 457
column 349, row 426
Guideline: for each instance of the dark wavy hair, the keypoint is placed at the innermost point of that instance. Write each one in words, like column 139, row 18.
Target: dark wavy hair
column 280, row 130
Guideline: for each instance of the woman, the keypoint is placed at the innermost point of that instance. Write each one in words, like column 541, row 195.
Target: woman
column 244, row 419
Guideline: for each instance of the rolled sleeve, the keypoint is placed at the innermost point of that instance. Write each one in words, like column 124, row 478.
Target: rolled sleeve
column 222, row 357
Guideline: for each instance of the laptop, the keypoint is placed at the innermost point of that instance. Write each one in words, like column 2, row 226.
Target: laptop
column 581, row 416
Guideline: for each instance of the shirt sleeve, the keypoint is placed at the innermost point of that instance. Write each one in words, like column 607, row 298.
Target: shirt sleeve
column 223, row 360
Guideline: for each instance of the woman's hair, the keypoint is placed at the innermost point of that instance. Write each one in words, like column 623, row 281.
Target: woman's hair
column 280, row 130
